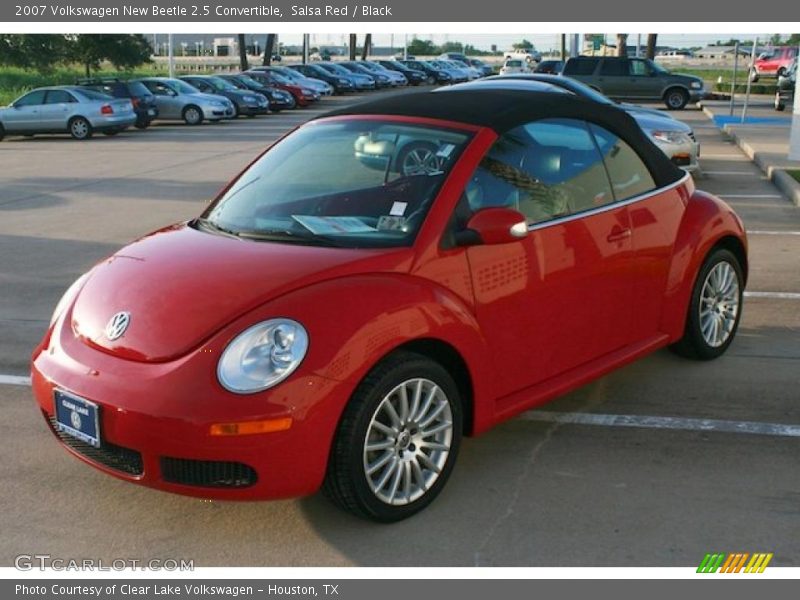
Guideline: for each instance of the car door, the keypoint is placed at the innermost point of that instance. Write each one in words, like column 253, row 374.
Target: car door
column 56, row 110
column 655, row 216
column 561, row 297
column 613, row 77
column 169, row 107
column 644, row 81
column 25, row 114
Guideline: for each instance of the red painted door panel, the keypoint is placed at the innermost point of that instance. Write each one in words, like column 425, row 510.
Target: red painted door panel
column 557, row 299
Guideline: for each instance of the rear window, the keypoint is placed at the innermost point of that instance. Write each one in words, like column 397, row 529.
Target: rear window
column 137, row 88
column 582, row 66
column 93, row 95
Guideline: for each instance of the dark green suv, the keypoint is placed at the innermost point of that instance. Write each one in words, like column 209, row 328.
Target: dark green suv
column 635, row 79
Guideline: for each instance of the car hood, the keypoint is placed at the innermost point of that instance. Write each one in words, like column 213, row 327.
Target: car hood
column 650, row 122
column 203, row 97
column 181, row 285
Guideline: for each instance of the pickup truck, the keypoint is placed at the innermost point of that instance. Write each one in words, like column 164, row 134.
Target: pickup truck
column 529, row 54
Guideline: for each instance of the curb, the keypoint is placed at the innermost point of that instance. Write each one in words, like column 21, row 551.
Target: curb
column 782, row 180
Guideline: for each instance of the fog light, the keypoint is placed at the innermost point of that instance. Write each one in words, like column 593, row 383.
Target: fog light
column 251, row 427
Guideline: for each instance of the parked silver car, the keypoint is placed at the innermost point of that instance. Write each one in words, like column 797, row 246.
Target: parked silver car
column 66, row 109
column 177, row 100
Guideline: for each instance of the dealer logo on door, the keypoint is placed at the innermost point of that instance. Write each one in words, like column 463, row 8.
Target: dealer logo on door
column 118, row 325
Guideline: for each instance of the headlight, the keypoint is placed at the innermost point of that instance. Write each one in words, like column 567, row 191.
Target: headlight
column 68, row 297
column 697, row 85
column 670, row 137
column 251, row 99
column 262, row 356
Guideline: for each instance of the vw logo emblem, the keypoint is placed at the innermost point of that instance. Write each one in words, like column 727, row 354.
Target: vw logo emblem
column 117, row 325
column 75, row 419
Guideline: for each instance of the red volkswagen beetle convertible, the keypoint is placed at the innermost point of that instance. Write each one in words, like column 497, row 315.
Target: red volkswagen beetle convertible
column 381, row 282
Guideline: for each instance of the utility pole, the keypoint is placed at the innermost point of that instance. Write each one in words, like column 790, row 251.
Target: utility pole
column 171, row 56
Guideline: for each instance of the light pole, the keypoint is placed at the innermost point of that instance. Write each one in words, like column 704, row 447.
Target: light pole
column 794, row 137
column 170, row 56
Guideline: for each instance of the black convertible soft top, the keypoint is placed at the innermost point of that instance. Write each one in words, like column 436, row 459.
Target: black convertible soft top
column 504, row 109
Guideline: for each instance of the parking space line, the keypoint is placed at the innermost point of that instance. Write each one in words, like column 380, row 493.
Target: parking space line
column 731, row 173
column 648, row 422
column 750, row 195
column 770, row 232
column 14, row 380
column 778, row 295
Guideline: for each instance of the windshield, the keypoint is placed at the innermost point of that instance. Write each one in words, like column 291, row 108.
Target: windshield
column 355, row 184
column 659, row 69
column 181, row 86
column 220, row 84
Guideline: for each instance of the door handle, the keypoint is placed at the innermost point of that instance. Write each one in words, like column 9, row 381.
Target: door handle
column 618, row 234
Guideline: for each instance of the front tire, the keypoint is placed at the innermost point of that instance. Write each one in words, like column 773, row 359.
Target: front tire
column 715, row 308
column 80, row 128
column 192, row 115
column 397, row 441
column 676, row 98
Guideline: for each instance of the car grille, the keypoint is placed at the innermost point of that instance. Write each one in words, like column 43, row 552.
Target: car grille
column 109, row 455
column 207, row 473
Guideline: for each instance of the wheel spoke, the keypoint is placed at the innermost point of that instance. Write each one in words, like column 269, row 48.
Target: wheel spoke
column 404, row 408
column 384, row 429
column 418, row 475
column 379, row 446
column 428, row 463
column 426, row 405
column 390, row 410
column 432, row 416
column 387, row 473
column 372, row 468
column 398, row 475
column 438, row 428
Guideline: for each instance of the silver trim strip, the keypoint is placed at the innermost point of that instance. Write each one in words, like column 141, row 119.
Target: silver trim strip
column 607, row 207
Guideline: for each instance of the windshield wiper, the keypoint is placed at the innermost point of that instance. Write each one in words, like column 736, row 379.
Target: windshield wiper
column 208, row 224
column 286, row 235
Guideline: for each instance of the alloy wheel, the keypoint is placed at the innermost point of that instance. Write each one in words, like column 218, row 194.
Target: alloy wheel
column 719, row 304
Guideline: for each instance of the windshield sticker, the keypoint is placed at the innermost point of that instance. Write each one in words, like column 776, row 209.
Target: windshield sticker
column 445, row 151
column 389, row 223
column 333, row 225
column 398, row 209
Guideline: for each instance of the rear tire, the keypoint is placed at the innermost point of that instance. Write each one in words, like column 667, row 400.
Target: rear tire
column 142, row 124
column 715, row 308
column 79, row 128
column 676, row 98
column 780, row 105
column 2, row 133
column 385, row 465
column 192, row 115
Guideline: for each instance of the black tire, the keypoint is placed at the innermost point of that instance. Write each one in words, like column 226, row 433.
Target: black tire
column 142, row 124
column 780, row 105
column 676, row 98
column 693, row 344
column 346, row 480
column 753, row 75
column 2, row 133
column 192, row 115
column 79, row 128
column 781, row 72
column 236, row 111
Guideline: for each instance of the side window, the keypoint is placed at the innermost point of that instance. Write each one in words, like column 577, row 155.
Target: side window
column 580, row 66
column 546, row 169
column 32, row 99
column 58, row 97
column 639, row 68
column 629, row 175
column 614, row 68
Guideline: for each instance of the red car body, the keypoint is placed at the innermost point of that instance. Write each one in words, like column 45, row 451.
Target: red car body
column 777, row 61
column 598, row 292
column 300, row 94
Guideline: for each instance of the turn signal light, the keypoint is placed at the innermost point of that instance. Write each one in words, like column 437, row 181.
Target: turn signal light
column 251, row 427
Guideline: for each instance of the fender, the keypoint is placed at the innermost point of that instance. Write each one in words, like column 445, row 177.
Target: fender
column 376, row 314
column 706, row 222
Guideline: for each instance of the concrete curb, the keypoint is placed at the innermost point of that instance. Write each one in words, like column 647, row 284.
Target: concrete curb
column 785, row 182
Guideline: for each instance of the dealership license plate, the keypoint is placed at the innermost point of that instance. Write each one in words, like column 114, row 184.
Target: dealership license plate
column 77, row 417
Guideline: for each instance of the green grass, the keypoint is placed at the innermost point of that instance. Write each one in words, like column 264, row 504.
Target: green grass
column 14, row 82
column 795, row 174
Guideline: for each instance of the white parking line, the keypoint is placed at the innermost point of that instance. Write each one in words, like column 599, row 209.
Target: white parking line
column 750, row 196
column 14, row 380
column 766, row 232
column 680, row 423
column 778, row 295
column 748, row 173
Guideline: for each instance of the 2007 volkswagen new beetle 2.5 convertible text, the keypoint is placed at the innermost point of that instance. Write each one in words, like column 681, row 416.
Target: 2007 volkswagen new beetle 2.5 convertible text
column 381, row 282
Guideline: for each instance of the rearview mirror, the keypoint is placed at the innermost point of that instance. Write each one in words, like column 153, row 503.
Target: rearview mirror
column 494, row 225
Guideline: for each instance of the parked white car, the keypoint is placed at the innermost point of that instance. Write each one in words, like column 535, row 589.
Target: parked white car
column 528, row 55
column 515, row 65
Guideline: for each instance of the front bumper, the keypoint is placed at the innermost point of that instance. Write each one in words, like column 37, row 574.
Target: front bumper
column 684, row 155
column 697, row 95
column 155, row 418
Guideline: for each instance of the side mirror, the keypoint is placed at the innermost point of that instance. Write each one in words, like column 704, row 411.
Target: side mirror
column 492, row 226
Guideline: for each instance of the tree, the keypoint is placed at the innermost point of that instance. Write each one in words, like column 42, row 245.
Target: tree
column 622, row 44
column 353, row 43
column 452, row 47
column 243, row 64
column 33, row 51
column 523, row 45
column 367, row 46
column 418, row 47
column 123, row 51
column 269, row 49
column 651, row 45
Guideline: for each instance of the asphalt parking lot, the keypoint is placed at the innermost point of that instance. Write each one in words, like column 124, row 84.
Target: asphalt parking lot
column 670, row 485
